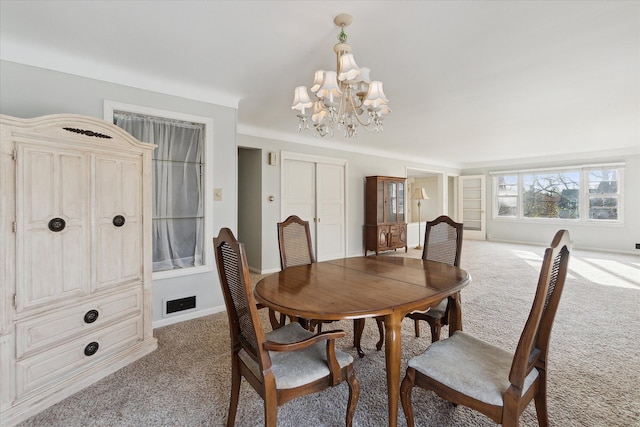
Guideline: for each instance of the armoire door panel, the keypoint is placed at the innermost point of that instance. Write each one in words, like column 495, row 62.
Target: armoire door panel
column 38, row 194
column 75, row 186
column 119, row 247
column 131, row 189
column 51, row 269
column 108, row 186
column 131, row 251
column 52, row 225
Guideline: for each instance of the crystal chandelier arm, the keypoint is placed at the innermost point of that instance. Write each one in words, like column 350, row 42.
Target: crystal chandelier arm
column 363, row 124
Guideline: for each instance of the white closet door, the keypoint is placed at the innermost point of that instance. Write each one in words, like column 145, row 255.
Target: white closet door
column 52, row 227
column 118, row 220
column 330, row 212
column 315, row 191
column 299, row 192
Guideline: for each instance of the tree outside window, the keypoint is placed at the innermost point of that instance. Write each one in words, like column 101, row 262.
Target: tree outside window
column 551, row 195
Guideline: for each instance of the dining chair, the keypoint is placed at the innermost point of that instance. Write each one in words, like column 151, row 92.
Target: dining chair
column 285, row 363
column 470, row 372
column 442, row 243
column 294, row 241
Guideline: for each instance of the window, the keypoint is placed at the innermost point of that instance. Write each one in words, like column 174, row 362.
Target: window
column 581, row 194
column 603, row 193
column 551, row 195
column 180, row 221
column 507, row 195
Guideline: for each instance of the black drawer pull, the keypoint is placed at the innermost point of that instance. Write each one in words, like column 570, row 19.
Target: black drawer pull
column 91, row 348
column 57, row 224
column 118, row 220
column 91, row 316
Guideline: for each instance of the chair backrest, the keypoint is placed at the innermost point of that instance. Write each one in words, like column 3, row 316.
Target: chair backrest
column 294, row 239
column 443, row 241
column 534, row 342
column 244, row 323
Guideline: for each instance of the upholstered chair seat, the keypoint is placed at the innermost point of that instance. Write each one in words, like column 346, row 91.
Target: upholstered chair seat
column 470, row 366
column 296, row 368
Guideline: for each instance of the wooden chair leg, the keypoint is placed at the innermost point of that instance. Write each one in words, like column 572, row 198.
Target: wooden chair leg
column 541, row 401
column 436, row 327
column 270, row 410
column 405, row 395
column 416, row 327
column 275, row 324
column 358, row 327
column 354, row 394
column 380, row 324
column 304, row 323
column 235, row 393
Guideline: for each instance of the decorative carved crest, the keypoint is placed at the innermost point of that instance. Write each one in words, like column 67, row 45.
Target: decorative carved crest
column 88, row 133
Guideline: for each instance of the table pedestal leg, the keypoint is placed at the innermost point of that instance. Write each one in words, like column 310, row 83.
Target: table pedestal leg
column 393, row 353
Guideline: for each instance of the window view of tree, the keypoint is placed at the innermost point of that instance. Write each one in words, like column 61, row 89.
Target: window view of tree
column 582, row 194
column 551, row 195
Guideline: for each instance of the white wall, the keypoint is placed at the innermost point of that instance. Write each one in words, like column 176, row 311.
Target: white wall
column 30, row 92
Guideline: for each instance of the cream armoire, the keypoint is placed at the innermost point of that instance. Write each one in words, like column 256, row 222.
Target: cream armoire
column 75, row 257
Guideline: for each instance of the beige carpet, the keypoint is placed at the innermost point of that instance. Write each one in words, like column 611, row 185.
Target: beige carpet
column 594, row 366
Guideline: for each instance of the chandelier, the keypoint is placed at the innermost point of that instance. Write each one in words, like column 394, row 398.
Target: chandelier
column 345, row 98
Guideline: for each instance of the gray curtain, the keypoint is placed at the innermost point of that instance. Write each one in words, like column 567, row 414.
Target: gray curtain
column 178, row 220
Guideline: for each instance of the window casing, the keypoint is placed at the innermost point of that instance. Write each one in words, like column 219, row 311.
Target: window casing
column 195, row 224
column 580, row 194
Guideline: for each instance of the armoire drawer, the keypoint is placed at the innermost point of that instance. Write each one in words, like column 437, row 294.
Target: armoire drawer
column 69, row 359
column 49, row 330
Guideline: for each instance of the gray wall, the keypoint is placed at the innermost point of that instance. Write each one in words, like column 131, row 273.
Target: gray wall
column 250, row 204
column 30, row 92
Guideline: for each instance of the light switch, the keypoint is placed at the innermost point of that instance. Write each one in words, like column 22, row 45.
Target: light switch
column 217, row 194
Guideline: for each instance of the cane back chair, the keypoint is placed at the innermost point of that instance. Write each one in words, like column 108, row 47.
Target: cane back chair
column 281, row 365
column 467, row 371
column 294, row 240
column 442, row 243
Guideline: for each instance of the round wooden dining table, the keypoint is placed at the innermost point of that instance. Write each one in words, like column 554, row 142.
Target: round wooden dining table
column 362, row 287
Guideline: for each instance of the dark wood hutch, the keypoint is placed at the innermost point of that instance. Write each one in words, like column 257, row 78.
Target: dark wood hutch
column 385, row 219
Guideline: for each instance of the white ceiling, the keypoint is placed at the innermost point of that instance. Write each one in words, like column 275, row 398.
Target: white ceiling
column 470, row 83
